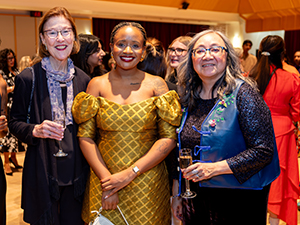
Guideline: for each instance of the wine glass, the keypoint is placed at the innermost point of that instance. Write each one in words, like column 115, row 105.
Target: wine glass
column 60, row 120
column 185, row 160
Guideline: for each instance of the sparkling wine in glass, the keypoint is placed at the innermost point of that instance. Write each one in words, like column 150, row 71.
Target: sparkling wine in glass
column 185, row 160
column 60, row 120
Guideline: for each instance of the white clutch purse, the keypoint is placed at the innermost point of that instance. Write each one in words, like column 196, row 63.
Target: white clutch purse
column 102, row 220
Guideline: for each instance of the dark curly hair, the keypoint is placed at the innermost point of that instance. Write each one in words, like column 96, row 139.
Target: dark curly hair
column 3, row 60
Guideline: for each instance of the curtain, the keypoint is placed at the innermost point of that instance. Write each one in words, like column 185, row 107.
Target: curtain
column 292, row 43
column 165, row 32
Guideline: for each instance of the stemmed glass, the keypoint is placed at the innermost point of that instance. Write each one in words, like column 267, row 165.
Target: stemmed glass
column 60, row 120
column 185, row 160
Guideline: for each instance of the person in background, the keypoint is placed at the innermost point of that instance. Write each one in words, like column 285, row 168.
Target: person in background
column 281, row 92
column 286, row 65
column 239, row 53
column 176, row 51
column 25, row 62
column 229, row 129
column 297, row 60
column 249, row 60
column 89, row 57
column 52, row 186
column 154, row 61
column 135, row 118
column 3, row 131
column 10, row 144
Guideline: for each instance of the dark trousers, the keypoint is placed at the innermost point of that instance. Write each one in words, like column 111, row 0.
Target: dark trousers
column 67, row 210
column 2, row 195
column 219, row 206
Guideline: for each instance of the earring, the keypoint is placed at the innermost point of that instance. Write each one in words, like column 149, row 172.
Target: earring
column 142, row 58
column 46, row 48
column 111, row 55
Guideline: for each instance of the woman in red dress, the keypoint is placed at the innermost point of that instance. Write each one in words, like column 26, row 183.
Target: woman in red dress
column 281, row 92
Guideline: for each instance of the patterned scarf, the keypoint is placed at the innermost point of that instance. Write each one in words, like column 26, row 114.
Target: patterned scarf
column 54, row 81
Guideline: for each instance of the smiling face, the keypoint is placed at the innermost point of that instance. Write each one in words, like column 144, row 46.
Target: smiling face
column 175, row 59
column 59, row 47
column 210, row 68
column 96, row 58
column 127, row 47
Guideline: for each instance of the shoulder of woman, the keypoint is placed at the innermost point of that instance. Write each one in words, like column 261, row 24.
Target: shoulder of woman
column 159, row 85
column 96, row 85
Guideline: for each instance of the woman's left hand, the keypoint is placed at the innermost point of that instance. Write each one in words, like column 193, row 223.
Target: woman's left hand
column 117, row 181
column 203, row 171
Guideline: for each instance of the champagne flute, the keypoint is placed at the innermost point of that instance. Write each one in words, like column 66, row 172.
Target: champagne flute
column 185, row 160
column 60, row 120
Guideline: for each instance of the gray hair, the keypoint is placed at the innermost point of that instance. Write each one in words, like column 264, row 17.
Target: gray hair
column 190, row 84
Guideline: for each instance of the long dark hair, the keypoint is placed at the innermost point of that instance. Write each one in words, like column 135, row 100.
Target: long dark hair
column 270, row 52
column 88, row 46
column 3, row 60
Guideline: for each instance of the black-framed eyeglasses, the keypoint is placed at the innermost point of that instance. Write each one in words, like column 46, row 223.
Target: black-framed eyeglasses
column 54, row 33
column 214, row 51
column 178, row 51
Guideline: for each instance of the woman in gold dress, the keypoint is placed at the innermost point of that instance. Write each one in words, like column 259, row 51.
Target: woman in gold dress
column 127, row 127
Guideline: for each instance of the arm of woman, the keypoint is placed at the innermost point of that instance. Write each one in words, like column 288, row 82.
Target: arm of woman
column 96, row 162
column 157, row 153
column 176, row 201
column 28, row 132
column 3, row 120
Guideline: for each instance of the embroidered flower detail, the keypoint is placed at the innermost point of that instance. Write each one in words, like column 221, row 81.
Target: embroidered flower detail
column 223, row 103
column 183, row 110
column 212, row 123
column 177, row 130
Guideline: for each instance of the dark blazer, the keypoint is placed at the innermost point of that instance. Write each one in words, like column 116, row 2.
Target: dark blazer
column 40, row 184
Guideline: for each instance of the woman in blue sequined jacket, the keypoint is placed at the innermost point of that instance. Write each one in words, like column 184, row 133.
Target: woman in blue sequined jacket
column 229, row 129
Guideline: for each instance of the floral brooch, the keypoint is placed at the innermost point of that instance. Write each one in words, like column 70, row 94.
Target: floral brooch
column 222, row 105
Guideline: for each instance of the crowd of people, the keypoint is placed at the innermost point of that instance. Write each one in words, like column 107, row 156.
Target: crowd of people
column 107, row 139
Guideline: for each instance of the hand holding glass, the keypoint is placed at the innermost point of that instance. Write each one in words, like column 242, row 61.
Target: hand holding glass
column 60, row 121
column 185, row 160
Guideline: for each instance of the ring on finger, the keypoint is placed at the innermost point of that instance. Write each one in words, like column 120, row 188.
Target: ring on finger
column 197, row 175
column 194, row 171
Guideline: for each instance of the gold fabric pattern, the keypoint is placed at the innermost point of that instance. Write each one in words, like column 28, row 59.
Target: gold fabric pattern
column 126, row 133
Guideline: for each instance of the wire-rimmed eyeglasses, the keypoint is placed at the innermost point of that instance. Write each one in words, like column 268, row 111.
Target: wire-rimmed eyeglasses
column 214, row 51
column 54, row 33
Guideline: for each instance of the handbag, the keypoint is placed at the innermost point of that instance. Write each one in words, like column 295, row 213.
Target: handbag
column 102, row 220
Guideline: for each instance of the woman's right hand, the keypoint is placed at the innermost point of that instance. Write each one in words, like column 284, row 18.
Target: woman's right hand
column 110, row 202
column 177, row 208
column 48, row 129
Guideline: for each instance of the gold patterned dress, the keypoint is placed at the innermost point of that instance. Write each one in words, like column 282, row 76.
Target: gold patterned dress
column 124, row 134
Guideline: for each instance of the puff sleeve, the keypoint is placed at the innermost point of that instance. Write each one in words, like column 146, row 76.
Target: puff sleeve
column 84, row 109
column 169, row 114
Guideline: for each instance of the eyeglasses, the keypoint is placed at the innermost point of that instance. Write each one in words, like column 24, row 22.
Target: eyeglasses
column 178, row 51
column 213, row 51
column 10, row 58
column 54, row 33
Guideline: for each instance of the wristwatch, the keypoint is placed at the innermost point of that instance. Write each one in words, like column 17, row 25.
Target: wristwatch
column 136, row 170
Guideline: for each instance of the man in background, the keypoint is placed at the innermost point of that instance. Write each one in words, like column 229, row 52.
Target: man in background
column 248, row 60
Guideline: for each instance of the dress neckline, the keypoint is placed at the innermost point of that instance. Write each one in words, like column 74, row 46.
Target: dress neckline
column 134, row 103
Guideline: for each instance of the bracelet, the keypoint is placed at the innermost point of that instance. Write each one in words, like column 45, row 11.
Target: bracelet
column 175, row 196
